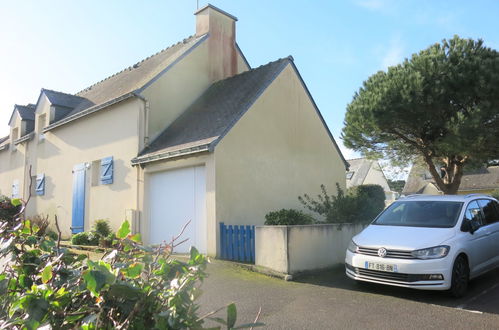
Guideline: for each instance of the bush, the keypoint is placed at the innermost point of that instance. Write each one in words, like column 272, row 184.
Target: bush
column 360, row 204
column 101, row 227
column 85, row 238
column 42, row 222
column 495, row 194
column 289, row 217
column 7, row 210
column 52, row 235
column 131, row 287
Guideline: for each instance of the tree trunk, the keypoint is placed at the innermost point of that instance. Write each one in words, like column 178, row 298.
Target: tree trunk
column 453, row 168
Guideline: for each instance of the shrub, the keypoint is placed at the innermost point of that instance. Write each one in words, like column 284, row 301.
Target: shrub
column 495, row 194
column 288, row 217
column 360, row 204
column 52, row 235
column 101, row 227
column 7, row 210
column 42, row 222
column 131, row 287
column 85, row 238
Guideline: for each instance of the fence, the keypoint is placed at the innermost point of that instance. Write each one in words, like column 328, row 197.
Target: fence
column 237, row 243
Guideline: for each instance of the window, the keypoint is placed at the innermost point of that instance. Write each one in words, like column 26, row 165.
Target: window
column 40, row 185
column 102, row 171
column 40, row 126
column 431, row 214
column 350, row 175
column 106, row 170
column 15, row 189
column 474, row 214
column 489, row 210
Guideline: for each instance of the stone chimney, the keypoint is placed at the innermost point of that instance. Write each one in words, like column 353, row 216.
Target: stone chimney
column 221, row 28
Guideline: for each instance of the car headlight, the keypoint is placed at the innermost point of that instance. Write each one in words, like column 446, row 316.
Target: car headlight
column 431, row 253
column 352, row 247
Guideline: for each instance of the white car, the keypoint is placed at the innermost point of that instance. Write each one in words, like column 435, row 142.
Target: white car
column 428, row 242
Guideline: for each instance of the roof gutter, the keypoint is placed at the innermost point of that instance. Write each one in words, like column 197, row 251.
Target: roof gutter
column 93, row 109
column 171, row 154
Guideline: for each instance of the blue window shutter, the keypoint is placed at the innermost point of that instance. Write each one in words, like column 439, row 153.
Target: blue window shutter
column 40, row 184
column 106, row 170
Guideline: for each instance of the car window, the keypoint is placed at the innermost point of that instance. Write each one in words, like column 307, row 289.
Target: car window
column 438, row 214
column 489, row 210
column 473, row 213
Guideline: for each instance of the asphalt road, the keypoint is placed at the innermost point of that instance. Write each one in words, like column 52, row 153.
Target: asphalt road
column 329, row 300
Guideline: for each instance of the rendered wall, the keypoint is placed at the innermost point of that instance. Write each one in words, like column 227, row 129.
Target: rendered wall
column 295, row 249
column 113, row 131
column 276, row 152
column 376, row 176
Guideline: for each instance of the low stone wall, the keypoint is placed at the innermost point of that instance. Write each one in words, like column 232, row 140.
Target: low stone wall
column 294, row 249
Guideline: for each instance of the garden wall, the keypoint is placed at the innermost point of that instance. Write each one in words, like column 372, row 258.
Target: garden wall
column 295, row 249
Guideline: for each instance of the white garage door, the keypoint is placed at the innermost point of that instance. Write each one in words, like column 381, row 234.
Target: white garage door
column 176, row 197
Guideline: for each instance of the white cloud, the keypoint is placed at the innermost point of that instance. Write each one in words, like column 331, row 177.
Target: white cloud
column 394, row 54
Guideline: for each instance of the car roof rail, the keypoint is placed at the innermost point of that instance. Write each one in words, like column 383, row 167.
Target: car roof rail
column 413, row 195
column 476, row 195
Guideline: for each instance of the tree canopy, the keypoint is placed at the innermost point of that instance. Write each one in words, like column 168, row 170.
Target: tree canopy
column 441, row 106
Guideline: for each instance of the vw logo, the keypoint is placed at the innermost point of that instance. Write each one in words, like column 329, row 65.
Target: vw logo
column 382, row 252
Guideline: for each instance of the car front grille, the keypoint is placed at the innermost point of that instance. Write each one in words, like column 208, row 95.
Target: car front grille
column 388, row 276
column 396, row 254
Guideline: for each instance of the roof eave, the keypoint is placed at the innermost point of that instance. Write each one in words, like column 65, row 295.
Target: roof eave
column 91, row 110
column 170, row 154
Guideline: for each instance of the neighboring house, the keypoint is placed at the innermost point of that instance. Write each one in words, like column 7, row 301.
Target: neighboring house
column 365, row 171
column 191, row 133
column 480, row 181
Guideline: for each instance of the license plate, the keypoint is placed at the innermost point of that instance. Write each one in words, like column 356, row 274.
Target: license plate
column 381, row 267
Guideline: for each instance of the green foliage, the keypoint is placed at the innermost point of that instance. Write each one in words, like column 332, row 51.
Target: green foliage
column 85, row 238
column 440, row 105
column 102, row 228
column 288, row 217
column 495, row 194
column 131, row 287
column 7, row 209
column 361, row 204
column 52, row 234
column 396, row 185
column 42, row 222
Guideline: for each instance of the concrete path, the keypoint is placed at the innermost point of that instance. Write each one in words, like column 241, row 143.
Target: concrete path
column 329, row 300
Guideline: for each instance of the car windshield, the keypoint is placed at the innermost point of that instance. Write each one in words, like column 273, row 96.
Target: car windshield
column 437, row 214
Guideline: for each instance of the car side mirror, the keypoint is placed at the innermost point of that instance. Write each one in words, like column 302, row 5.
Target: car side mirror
column 469, row 226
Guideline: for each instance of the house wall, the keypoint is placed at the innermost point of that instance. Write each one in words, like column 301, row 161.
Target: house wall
column 83, row 141
column 376, row 176
column 176, row 90
column 276, row 152
column 12, row 164
column 206, row 159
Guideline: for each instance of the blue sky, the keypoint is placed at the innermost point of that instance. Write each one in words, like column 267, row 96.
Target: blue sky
column 69, row 45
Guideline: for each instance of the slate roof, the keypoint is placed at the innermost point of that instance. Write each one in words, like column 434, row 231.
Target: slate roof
column 138, row 75
column 210, row 117
column 479, row 179
column 3, row 139
column 360, row 168
column 26, row 112
column 130, row 80
column 66, row 100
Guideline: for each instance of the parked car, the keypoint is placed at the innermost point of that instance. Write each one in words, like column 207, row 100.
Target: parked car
column 428, row 242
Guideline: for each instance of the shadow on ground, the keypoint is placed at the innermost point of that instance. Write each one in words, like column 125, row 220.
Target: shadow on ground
column 482, row 295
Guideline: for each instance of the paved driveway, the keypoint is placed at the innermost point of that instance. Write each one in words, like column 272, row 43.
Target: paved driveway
column 331, row 301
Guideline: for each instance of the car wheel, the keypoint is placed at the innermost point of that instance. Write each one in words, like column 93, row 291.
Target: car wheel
column 460, row 277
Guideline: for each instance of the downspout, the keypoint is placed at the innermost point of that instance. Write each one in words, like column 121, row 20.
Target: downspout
column 145, row 142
